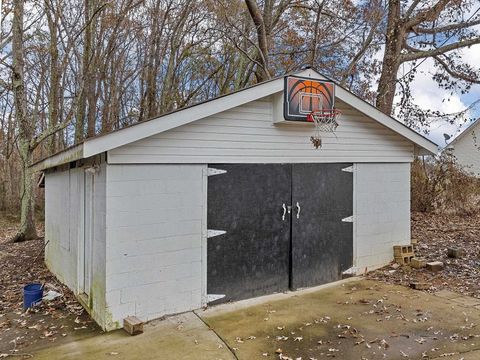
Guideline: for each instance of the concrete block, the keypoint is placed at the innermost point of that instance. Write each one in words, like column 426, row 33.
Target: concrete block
column 404, row 260
column 402, row 250
column 435, row 266
column 133, row 325
column 455, row 253
column 418, row 263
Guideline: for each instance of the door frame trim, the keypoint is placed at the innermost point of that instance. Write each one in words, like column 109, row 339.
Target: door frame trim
column 81, row 237
column 204, row 248
column 354, row 215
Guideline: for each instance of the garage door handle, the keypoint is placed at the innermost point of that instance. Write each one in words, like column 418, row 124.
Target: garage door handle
column 284, row 211
column 298, row 210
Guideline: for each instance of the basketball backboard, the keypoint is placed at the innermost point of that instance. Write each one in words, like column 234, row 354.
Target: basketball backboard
column 304, row 95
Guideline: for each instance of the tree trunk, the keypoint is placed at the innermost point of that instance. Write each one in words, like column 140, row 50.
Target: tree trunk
column 391, row 59
column 86, row 77
column 53, row 97
column 89, row 75
column 262, row 72
column 27, row 229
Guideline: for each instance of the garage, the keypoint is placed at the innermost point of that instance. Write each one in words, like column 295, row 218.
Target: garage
column 292, row 183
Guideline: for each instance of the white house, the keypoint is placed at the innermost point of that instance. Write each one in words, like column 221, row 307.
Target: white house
column 466, row 148
column 226, row 200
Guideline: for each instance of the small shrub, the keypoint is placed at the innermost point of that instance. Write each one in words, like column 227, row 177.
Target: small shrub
column 440, row 185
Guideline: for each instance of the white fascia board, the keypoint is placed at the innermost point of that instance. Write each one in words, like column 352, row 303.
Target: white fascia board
column 72, row 154
column 166, row 122
column 385, row 120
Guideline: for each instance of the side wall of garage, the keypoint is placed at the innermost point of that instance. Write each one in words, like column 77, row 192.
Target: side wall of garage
column 64, row 232
column 63, row 216
column 382, row 212
column 155, row 229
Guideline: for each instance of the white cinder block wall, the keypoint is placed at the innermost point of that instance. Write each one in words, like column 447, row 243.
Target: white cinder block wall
column 155, row 217
column 63, row 197
column 382, row 212
column 64, row 208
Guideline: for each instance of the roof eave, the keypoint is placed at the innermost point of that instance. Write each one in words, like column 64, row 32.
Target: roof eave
column 68, row 155
column 386, row 120
column 141, row 130
column 100, row 144
column 460, row 136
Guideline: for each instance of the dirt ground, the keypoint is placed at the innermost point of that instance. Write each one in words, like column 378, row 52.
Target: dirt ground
column 58, row 321
column 435, row 234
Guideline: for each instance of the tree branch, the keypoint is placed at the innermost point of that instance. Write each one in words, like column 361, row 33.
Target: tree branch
column 459, row 26
column 411, row 9
column 456, row 74
column 429, row 14
column 416, row 54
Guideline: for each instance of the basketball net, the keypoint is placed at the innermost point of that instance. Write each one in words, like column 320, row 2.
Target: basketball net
column 324, row 121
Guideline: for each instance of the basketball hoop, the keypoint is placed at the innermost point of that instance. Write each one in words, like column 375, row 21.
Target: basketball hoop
column 325, row 121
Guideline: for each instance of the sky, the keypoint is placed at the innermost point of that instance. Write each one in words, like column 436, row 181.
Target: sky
column 428, row 95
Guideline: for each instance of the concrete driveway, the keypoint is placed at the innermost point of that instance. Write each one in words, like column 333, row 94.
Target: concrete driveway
column 183, row 336
column 354, row 320
column 357, row 319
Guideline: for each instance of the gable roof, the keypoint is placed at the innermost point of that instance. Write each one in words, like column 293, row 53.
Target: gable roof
column 463, row 133
column 186, row 115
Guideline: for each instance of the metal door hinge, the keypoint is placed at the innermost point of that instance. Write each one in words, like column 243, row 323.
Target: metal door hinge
column 351, row 271
column 348, row 219
column 348, row 169
column 213, row 297
column 213, row 233
column 213, row 171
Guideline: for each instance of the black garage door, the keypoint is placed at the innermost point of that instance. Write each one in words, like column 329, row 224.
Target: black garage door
column 283, row 227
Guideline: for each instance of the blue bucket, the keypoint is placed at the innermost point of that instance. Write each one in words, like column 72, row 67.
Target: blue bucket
column 32, row 295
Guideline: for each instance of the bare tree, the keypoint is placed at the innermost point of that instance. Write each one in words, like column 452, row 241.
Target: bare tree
column 427, row 29
column 265, row 19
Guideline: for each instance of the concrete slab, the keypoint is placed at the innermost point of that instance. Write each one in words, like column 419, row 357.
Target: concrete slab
column 360, row 319
column 183, row 336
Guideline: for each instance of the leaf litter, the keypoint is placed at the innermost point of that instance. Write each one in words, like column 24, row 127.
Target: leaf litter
column 53, row 320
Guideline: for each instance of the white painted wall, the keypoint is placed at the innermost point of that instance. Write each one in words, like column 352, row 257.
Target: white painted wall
column 467, row 150
column 155, row 221
column 64, row 206
column 248, row 134
column 382, row 212
column 63, row 215
column 97, row 301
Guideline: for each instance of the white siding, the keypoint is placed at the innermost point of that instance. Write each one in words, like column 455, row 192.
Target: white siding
column 248, row 134
column 155, row 217
column 467, row 151
column 382, row 212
